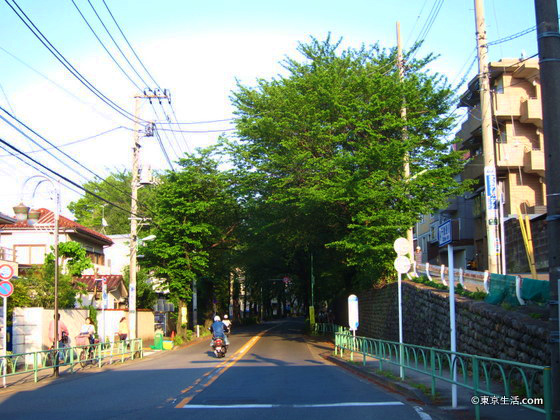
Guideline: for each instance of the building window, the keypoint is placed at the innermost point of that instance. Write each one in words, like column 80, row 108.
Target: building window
column 96, row 258
column 30, row 254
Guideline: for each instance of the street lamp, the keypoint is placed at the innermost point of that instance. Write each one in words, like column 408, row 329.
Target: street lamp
column 56, row 193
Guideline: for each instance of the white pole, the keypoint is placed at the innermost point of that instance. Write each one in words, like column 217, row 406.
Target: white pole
column 452, row 323
column 502, row 233
column 4, row 340
column 401, row 355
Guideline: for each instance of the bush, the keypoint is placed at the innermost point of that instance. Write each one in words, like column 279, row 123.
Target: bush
column 178, row 340
column 459, row 289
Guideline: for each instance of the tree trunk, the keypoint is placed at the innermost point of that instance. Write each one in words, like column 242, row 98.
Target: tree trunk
column 182, row 319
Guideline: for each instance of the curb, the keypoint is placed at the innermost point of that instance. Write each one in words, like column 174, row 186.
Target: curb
column 402, row 389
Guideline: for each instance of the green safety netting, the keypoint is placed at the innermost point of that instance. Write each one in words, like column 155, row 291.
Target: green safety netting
column 502, row 290
column 535, row 290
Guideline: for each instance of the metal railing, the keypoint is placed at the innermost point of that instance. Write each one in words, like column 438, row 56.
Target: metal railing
column 95, row 354
column 484, row 376
column 7, row 254
column 323, row 328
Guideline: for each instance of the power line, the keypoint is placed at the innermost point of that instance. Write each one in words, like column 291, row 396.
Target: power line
column 117, row 45
column 90, row 105
column 197, row 131
column 52, row 49
column 130, row 46
column 105, row 48
column 73, row 142
column 167, row 135
column 164, row 151
column 103, row 180
column 195, row 122
column 68, row 180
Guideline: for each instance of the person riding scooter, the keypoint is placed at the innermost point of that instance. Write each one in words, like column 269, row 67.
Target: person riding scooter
column 218, row 330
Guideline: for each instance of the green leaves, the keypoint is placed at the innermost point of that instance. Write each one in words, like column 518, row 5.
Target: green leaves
column 325, row 148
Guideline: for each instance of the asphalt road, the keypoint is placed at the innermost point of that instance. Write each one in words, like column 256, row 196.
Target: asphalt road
column 270, row 372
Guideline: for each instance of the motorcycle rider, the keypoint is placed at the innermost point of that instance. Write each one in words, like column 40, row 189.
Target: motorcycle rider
column 217, row 329
column 227, row 324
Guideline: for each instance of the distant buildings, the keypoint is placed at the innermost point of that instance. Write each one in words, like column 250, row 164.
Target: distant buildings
column 519, row 156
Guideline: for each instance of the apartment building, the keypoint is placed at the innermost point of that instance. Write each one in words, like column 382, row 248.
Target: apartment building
column 518, row 144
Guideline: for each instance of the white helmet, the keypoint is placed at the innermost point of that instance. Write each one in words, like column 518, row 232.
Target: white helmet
column 225, row 317
column 216, row 318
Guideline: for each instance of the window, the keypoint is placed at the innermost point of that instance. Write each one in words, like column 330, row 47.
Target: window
column 30, row 254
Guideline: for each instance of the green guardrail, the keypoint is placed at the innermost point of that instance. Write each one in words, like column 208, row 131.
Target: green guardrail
column 323, row 328
column 484, row 376
column 94, row 354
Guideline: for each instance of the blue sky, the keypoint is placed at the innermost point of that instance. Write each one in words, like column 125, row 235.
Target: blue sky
column 197, row 50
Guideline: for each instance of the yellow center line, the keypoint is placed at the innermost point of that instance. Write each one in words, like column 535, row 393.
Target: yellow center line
column 238, row 355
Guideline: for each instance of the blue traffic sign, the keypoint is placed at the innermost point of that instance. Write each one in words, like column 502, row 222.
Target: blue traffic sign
column 6, row 288
column 445, row 233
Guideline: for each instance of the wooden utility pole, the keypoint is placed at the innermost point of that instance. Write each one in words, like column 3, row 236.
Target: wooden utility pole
column 549, row 61
column 132, row 314
column 409, row 232
column 490, row 180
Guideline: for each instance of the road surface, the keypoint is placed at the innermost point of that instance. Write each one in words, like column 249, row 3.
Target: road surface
column 270, row 372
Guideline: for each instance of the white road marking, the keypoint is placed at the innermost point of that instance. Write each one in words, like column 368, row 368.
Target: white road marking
column 420, row 411
column 344, row 404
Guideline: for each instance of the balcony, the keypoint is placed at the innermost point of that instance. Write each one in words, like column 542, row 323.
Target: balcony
column 471, row 125
column 534, row 162
column 531, row 112
column 506, row 106
column 474, row 169
column 510, row 155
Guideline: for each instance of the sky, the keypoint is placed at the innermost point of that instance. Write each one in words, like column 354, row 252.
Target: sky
column 198, row 51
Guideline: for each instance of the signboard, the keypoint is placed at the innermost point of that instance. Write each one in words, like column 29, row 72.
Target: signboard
column 491, row 185
column 6, row 288
column 445, row 233
column 353, row 318
column 402, row 264
column 6, row 272
column 104, row 295
column 401, row 246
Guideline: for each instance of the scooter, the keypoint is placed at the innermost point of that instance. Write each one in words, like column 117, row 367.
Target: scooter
column 219, row 347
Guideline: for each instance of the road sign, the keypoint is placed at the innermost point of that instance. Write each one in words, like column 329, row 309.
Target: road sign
column 402, row 264
column 445, row 233
column 353, row 317
column 401, row 246
column 6, row 288
column 6, row 272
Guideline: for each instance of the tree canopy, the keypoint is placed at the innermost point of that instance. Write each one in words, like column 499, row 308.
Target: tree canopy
column 315, row 172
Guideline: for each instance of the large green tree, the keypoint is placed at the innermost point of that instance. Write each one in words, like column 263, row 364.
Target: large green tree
column 195, row 216
column 323, row 150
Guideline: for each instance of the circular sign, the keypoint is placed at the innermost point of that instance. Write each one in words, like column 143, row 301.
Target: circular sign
column 6, row 288
column 402, row 264
column 6, row 272
column 401, row 246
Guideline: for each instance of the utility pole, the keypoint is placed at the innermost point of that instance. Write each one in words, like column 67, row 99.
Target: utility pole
column 56, row 270
column 132, row 314
column 490, row 181
column 549, row 61
column 409, row 232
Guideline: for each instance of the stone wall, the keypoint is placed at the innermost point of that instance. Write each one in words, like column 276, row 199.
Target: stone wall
column 482, row 329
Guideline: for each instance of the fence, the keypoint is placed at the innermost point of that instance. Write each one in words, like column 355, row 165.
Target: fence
column 484, row 376
column 95, row 354
column 513, row 290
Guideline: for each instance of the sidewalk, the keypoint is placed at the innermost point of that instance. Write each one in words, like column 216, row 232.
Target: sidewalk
column 417, row 386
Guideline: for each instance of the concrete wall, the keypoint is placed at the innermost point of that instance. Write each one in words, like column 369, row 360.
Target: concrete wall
column 31, row 326
column 482, row 329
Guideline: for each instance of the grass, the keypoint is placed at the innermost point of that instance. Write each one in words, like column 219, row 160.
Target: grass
column 459, row 289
